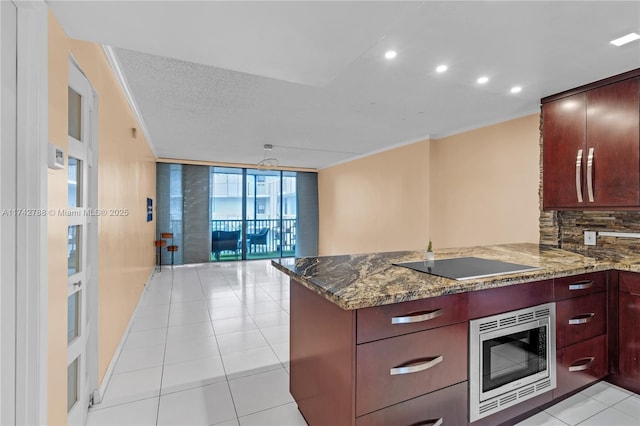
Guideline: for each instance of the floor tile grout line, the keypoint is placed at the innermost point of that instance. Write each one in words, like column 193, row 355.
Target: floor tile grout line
column 235, row 410
column 267, row 409
column 166, row 342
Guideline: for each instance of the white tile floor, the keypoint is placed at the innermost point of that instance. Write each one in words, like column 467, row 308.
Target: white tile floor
column 210, row 346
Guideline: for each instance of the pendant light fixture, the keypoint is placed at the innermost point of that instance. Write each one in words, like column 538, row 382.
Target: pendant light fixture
column 268, row 162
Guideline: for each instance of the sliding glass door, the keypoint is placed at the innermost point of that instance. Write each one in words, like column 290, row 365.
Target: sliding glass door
column 258, row 207
column 227, row 213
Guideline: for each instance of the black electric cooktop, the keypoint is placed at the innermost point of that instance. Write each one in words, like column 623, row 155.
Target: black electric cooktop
column 466, row 268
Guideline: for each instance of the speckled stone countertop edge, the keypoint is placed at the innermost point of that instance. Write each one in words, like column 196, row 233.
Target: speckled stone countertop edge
column 352, row 297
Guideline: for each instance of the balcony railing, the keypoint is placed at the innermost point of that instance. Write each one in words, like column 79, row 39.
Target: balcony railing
column 278, row 240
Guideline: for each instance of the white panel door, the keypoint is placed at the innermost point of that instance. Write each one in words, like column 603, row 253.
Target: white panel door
column 79, row 261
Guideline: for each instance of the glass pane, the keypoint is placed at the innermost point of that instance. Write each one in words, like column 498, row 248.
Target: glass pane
column 226, row 213
column 74, row 183
column 289, row 214
column 75, row 114
column 73, row 250
column 72, row 384
column 263, row 214
column 73, row 316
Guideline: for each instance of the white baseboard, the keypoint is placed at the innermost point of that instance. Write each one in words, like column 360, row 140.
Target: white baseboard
column 99, row 393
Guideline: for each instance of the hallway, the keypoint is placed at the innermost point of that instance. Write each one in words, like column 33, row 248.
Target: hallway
column 209, row 346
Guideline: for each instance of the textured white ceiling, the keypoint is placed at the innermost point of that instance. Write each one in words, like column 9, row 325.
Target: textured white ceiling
column 217, row 80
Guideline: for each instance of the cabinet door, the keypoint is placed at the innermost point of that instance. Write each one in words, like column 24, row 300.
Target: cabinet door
column 613, row 126
column 629, row 336
column 564, row 136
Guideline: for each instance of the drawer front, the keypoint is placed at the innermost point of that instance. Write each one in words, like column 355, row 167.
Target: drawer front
column 484, row 303
column 393, row 370
column 580, row 364
column 448, row 405
column 630, row 282
column 579, row 285
column 580, row 318
column 402, row 318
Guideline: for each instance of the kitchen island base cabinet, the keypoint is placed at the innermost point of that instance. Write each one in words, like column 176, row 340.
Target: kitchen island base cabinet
column 322, row 357
column 446, row 405
column 336, row 381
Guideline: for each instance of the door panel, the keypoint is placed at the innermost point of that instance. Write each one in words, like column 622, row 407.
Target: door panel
column 613, row 126
column 78, row 261
column 564, row 133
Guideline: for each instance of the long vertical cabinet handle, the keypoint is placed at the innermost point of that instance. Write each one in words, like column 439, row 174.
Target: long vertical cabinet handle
column 590, row 174
column 579, row 175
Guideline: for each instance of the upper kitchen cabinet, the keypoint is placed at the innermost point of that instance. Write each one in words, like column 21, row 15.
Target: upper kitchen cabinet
column 591, row 146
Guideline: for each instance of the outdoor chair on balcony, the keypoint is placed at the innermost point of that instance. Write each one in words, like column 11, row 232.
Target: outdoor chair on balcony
column 257, row 239
column 225, row 241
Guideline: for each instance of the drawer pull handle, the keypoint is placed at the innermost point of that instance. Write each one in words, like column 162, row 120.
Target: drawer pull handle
column 581, row 285
column 417, row 317
column 437, row 422
column 582, row 318
column 582, row 364
column 416, row 367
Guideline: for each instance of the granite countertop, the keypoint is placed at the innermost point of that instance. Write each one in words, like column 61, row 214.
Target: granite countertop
column 366, row 280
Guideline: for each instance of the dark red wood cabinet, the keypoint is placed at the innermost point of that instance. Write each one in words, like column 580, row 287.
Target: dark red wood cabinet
column 349, row 367
column 629, row 327
column 581, row 331
column 591, row 146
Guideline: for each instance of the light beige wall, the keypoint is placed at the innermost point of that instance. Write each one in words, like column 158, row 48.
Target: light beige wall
column 126, row 169
column 484, row 185
column 376, row 203
column 475, row 188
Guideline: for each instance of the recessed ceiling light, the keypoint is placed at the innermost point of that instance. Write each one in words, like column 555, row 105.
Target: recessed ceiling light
column 390, row 54
column 516, row 89
column 482, row 80
column 442, row 68
column 625, row 39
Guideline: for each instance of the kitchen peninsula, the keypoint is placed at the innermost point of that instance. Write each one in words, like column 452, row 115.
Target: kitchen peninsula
column 373, row 343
